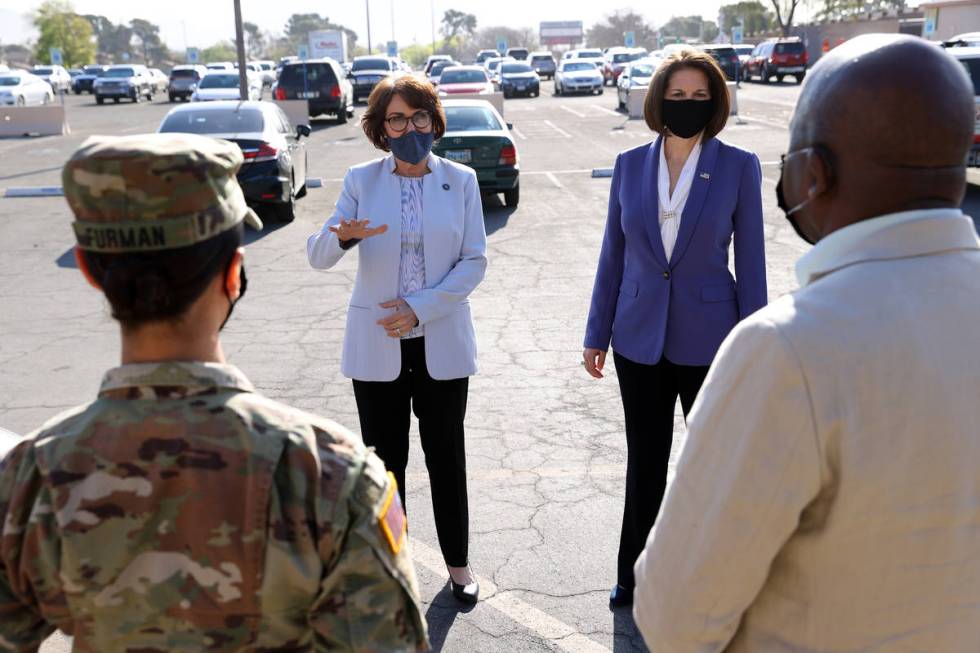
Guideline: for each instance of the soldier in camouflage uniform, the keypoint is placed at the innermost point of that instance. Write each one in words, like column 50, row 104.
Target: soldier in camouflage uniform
column 181, row 510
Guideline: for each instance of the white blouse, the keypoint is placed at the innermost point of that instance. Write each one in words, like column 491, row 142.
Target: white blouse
column 672, row 206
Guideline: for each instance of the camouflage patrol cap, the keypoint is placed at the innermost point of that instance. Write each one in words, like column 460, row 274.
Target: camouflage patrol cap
column 154, row 191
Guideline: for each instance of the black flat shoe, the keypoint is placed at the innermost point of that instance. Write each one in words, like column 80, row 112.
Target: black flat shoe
column 620, row 597
column 468, row 594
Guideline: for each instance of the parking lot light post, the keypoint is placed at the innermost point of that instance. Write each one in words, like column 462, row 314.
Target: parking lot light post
column 240, row 42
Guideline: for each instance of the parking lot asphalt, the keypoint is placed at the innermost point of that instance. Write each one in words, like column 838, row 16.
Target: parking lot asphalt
column 546, row 451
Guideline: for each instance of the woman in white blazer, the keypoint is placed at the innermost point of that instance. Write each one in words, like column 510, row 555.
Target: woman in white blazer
column 416, row 221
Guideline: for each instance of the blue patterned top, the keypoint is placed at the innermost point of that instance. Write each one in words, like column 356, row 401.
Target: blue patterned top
column 411, row 273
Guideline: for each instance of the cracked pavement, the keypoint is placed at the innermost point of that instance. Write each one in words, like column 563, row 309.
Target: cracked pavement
column 545, row 444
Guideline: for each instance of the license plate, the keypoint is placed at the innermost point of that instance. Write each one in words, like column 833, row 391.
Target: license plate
column 459, row 156
column 521, row 87
column 973, row 159
column 307, row 95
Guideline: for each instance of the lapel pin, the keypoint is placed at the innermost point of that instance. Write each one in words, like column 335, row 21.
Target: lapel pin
column 705, row 175
column 445, row 186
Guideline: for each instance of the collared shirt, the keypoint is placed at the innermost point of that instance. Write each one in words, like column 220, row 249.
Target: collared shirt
column 411, row 271
column 672, row 204
column 813, row 264
column 181, row 507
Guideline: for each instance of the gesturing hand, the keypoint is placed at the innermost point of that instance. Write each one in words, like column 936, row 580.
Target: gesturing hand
column 401, row 321
column 595, row 360
column 357, row 230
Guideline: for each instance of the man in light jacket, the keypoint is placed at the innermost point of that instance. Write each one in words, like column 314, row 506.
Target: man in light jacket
column 828, row 495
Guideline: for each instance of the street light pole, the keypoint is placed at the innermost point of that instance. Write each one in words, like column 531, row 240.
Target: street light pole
column 432, row 17
column 240, row 40
column 367, row 8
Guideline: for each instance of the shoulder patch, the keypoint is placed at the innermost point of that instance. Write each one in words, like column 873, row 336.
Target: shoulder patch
column 392, row 519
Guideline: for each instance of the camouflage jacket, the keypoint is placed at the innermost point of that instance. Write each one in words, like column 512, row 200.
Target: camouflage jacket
column 181, row 511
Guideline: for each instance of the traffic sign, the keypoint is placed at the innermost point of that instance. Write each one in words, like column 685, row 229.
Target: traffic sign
column 193, row 55
column 56, row 58
column 630, row 39
column 736, row 34
column 392, row 48
column 502, row 46
column 304, row 51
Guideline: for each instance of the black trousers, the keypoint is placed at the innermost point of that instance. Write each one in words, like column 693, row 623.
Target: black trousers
column 385, row 412
column 649, row 395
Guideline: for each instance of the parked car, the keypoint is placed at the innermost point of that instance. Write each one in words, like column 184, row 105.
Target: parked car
column 321, row 83
column 744, row 52
column 221, row 65
column 779, row 58
column 520, row 54
column 635, row 77
column 225, row 85
column 367, row 71
column 543, row 64
column 74, row 72
column 970, row 58
column 464, row 79
column 726, row 56
column 593, row 55
column 124, row 81
column 518, row 78
column 434, row 58
column 968, row 40
column 578, row 76
column 616, row 59
column 184, row 80
column 483, row 55
column 477, row 136
column 21, row 88
column 83, row 83
column 160, row 79
column 57, row 76
column 273, row 174
column 269, row 73
column 492, row 67
column 437, row 69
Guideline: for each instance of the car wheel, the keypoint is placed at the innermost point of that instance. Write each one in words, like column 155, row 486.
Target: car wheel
column 21, row 101
column 137, row 98
column 601, row 91
column 341, row 116
column 799, row 79
column 512, row 196
column 780, row 78
column 115, row 100
column 765, row 75
column 99, row 100
column 47, row 99
column 171, row 97
column 285, row 212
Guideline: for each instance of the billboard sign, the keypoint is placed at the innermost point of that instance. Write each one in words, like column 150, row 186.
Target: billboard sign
column 557, row 32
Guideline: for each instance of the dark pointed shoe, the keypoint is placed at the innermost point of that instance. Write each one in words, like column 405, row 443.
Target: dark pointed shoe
column 468, row 594
column 620, row 597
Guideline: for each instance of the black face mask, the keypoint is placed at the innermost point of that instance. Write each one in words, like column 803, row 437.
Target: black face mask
column 790, row 217
column 243, row 280
column 687, row 118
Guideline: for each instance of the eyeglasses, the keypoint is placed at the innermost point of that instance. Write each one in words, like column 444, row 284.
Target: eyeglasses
column 399, row 123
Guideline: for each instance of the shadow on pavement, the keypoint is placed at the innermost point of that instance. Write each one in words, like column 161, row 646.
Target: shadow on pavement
column 626, row 638
column 30, row 173
column 441, row 615
column 495, row 214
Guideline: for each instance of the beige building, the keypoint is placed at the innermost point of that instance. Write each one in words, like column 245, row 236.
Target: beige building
column 947, row 18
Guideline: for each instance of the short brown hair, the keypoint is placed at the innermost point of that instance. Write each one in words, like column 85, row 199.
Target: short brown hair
column 717, row 84
column 417, row 93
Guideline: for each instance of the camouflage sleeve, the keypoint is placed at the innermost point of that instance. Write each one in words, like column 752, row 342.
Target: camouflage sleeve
column 22, row 628
column 369, row 599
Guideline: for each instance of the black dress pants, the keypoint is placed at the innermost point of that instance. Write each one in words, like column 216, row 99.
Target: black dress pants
column 649, row 395
column 385, row 412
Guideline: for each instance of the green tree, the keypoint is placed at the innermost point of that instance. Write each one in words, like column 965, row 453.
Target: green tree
column 60, row 27
column 113, row 40
column 254, row 40
column 486, row 38
column 785, row 12
column 839, row 9
column 149, row 37
column 299, row 26
column 221, row 51
column 457, row 23
column 683, row 27
column 612, row 31
column 754, row 17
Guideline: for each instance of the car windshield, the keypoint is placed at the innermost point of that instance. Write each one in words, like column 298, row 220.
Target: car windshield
column 575, row 67
column 512, row 68
column 371, row 64
column 93, row 70
column 470, row 119
column 186, row 73
column 493, row 65
column 9, row 81
column 437, row 68
column 973, row 70
column 214, row 122
column 540, row 59
column 219, row 81
column 789, row 48
column 722, row 53
column 315, row 73
column 590, row 55
column 43, row 71
column 463, row 77
column 624, row 57
column 119, row 72
column 641, row 70
column 744, row 49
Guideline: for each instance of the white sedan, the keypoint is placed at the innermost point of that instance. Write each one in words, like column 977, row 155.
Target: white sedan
column 578, row 76
column 22, row 89
column 223, row 85
column 635, row 77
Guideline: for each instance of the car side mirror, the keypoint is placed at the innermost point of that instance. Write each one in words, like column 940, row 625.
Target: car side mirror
column 303, row 130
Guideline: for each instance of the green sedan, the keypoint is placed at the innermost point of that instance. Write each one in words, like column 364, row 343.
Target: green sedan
column 477, row 136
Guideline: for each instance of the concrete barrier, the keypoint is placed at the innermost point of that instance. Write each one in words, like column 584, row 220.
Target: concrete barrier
column 298, row 111
column 733, row 96
column 496, row 99
column 26, row 121
column 636, row 99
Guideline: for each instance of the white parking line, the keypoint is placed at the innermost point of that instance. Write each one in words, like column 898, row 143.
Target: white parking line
column 557, row 172
column 573, row 111
column 557, row 129
column 763, row 121
column 606, row 110
column 553, row 179
column 519, row 133
column 559, row 634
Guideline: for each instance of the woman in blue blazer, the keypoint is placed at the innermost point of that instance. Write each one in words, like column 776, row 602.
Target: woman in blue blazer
column 663, row 294
column 417, row 223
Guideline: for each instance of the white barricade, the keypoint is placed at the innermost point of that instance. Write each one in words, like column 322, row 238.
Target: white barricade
column 298, row 111
column 24, row 121
column 733, row 96
column 636, row 99
column 496, row 99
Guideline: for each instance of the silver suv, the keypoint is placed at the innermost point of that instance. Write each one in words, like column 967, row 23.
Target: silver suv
column 133, row 82
column 183, row 81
